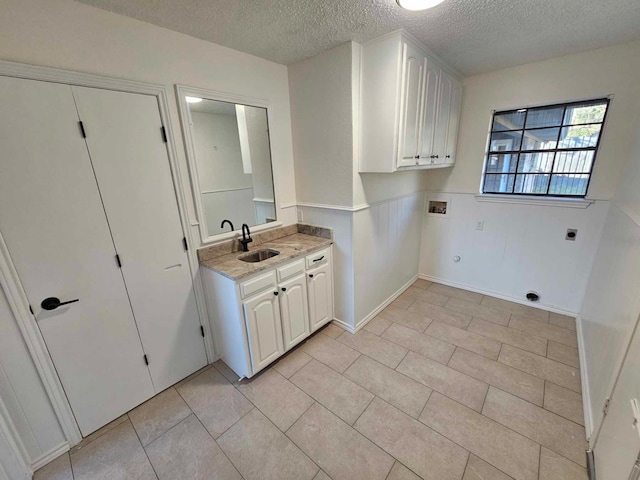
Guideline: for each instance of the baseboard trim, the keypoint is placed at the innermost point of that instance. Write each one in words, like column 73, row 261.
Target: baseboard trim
column 584, row 379
column 384, row 304
column 496, row 295
column 49, row 456
column 343, row 325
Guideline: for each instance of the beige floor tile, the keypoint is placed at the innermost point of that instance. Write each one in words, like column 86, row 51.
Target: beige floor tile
column 421, row 283
column 478, row 469
column 340, row 395
column 331, row 353
column 440, row 314
column 393, row 387
column 564, row 402
column 563, row 321
column 332, row 331
column 195, row 374
column 563, row 354
column 337, row 448
column 400, row 472
column 412, row 292
column 98, row 433
column 456, row 293
column 226, row 372
column 215, row 401
column 424, row 451
column 423, row 344
column 156, row 416
column 412, row 320
column 116, row 455
column 433, row 298
column 59, row 469
column 377, row 325
column 542, row 426
column 556, row 467
column 542, row 367
column 510, row 336
column 473, row 342
column 292, row 362
column 507, row 450
column 403, row 301
column 262, row 452
column 450, row 382
column 550, row 332
column 188, row 452
column 517, row 309
column 484, row 312
column 276, row 397
column 321, row 476
column 375, row 347
column 517, row 382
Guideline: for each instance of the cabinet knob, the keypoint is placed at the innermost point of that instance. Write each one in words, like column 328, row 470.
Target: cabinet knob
column 311, row 275
column 448, row 156
column 275, row 293
column 284, row 289
column 432, row 156
column 437, row 156
column 417, row 157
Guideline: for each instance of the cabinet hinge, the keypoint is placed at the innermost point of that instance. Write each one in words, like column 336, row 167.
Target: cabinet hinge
column 605, row 407
column 202, row 330
column 31, row 310
column 164, row 134
column 184, row 242
column 118, row 261
column 146, row 360
column 82, row 130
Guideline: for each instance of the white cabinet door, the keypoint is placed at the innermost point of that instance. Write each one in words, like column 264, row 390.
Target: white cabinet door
column 320, row 296
column 262, row 314
column 429, row 111
column 294, row 311
column 54, row 225
column 445, row 89
column 413, row 65
column 454, row 122
column 134, row 177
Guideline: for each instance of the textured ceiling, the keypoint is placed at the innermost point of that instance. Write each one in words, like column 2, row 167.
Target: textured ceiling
column 474, row 36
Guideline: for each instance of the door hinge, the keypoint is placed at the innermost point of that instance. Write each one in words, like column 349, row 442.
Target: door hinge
column 31, row 310
column 185, row 244
column 605, row 407
column 118, row 261
column 82, row 130
column 164, row 134
column 202, row 330
column 146, row 360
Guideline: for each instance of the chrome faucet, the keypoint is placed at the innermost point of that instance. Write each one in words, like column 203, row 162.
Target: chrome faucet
column 246, row 240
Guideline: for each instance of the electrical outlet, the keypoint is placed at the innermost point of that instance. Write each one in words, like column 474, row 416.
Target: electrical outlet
column 480, row 225
column 300, row 217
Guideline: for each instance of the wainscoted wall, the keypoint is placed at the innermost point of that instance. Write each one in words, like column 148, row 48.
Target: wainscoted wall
column 521, row 247
column 386, row 249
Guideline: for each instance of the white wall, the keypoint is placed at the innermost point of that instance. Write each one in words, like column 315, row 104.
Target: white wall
column 523, row 246
column 69, row 35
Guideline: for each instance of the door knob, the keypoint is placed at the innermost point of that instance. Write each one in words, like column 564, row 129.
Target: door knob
column 52, row 303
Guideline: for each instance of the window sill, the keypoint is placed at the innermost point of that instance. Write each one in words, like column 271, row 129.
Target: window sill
column 542, row 201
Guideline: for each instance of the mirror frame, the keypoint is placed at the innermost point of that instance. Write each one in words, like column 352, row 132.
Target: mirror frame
column 183, row 91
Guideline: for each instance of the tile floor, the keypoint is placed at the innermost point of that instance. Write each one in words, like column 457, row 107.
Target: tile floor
column 444, row 384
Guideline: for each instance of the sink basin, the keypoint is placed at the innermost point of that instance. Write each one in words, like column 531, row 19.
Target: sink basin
column 259, row 255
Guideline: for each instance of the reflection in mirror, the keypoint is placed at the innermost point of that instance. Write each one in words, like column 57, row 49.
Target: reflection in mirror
column 233, row 161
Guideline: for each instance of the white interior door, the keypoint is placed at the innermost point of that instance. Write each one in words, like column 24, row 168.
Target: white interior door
column 54, row 225
column 294, row 311
column 130, row 160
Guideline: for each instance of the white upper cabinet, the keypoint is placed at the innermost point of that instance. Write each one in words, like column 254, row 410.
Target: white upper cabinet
column 410, row 107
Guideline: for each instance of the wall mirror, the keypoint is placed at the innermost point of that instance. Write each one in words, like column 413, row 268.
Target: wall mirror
column 229, row 154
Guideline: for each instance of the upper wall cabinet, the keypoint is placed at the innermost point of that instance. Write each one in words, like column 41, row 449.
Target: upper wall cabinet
column 410, row 107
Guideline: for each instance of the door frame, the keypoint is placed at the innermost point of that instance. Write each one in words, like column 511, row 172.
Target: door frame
column 9, row 279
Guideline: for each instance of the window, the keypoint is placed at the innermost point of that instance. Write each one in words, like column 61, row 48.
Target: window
column 547, row 151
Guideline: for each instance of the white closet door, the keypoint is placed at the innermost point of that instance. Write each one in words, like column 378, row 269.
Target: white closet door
column 134, row 177
column 55, row 229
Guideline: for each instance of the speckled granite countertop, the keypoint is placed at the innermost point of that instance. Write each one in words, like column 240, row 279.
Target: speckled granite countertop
column 290, row 246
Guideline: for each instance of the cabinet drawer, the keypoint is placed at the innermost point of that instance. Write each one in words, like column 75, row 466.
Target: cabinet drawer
column 290, row 270
column 318, row 258
column 257, row 284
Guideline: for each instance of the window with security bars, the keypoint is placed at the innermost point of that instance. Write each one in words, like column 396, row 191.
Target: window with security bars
column 544, row 151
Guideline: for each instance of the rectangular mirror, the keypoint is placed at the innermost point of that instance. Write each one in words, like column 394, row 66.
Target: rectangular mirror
column 229, row 154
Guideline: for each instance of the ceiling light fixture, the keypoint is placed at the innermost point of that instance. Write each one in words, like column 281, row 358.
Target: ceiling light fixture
column 418, row 4
column 193, row 99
